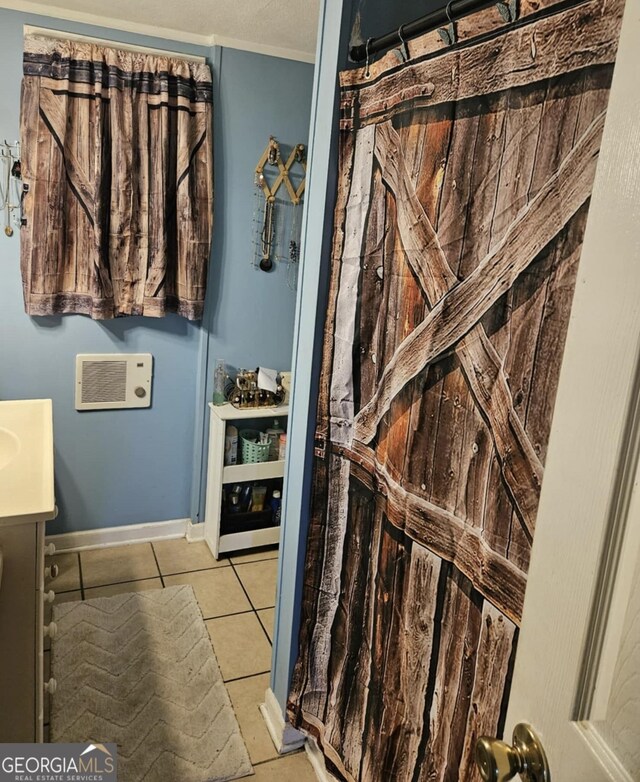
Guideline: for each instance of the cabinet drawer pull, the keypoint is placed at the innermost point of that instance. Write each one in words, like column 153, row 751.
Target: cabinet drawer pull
column 51, row 686
column 49, row 596
column 52, row 571
column 51, row 630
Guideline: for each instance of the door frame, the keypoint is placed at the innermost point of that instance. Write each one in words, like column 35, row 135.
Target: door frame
column 317, row 236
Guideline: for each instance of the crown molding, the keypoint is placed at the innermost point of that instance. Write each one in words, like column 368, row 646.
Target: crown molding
column 260, row 48
column 112, row 23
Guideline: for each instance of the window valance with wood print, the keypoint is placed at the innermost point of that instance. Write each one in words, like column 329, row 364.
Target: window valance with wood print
column 117, row 159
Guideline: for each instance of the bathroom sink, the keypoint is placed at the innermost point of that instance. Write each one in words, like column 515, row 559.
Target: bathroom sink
column 26, row 461
column 9, row 447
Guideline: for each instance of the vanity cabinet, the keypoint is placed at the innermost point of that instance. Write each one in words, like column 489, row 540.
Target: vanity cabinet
column 27, row 501
column 219, row 476
column 21, row 633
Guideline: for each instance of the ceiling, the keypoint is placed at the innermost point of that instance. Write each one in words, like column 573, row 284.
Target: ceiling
column 284, row 28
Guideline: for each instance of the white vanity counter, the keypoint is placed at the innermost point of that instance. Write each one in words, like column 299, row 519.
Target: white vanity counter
column 26, row 461
column 27, row 501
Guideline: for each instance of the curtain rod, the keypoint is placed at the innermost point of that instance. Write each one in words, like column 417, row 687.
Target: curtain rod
column 61, row 34
column 454, row 10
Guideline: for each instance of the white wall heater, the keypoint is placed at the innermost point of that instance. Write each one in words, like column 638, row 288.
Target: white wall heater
column 109, row 381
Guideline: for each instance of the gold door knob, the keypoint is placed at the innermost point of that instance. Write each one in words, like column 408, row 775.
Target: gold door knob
column 499, row 762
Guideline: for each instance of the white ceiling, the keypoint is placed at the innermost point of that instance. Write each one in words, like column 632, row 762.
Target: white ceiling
column 285, row 28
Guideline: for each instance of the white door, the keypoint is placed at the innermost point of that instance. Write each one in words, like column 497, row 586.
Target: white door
column 577, row 672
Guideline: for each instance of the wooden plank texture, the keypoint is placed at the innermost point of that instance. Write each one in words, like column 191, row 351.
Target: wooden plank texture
column 120, row 190
column 536, row 51
column 342, row 401
column 456, row 313
column 491, row 573
column 479, row 360
column 464, row 186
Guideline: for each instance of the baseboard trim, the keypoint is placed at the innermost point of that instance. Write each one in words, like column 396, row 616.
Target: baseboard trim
column 284, row 736
column 121, row 536
column 195, row 532
column 316, row 758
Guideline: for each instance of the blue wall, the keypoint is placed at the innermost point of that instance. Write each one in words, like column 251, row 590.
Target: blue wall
column 250, row 313
column 132, row 466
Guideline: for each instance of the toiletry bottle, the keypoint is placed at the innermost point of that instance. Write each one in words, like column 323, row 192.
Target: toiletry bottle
column 231, row 445
column 282, row 447
column 276, row 507
column 219, row 382
column 258, row 496
column 234, row 501
column 274, row 433
column 245, row 498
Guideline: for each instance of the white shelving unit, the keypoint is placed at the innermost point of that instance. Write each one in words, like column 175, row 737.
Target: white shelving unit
column 218, row 475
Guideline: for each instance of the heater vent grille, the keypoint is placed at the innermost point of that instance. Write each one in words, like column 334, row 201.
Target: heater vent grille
column 110, row 381
column 104, row 381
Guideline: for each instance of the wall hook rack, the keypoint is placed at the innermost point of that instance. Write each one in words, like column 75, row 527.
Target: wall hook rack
column 10, row 178
column 272, row 158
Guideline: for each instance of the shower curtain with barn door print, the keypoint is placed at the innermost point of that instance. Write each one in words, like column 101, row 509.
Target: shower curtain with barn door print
column 117, row 159
column 464, row 184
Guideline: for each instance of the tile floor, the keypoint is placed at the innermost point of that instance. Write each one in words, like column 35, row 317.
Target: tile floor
column 237, row 598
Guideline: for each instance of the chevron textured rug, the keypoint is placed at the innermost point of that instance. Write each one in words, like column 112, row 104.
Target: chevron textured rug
column 138, row 669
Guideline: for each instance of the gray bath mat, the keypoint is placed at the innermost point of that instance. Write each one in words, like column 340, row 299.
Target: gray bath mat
column 138, row 669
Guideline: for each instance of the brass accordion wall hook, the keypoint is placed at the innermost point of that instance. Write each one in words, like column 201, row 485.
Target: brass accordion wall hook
column 271, row 157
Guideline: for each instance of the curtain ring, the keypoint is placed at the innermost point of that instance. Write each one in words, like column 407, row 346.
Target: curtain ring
column 448, row 33
column 404, row 49
column 447, row 10
column 367, row 70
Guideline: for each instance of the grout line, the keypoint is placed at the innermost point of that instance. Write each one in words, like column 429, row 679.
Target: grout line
column 157, row 565
column 257, row 613
column 233, row 567
column 126, row 581
column 196, row 570
column 80, row 574
column 224, row 616
column 278, row 757
column 252, row 561
column 255, row 610
column 248, row 676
